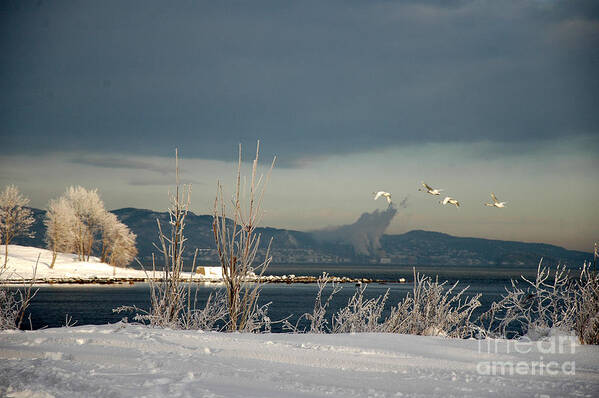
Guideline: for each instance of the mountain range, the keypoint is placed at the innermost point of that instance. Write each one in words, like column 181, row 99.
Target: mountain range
column 288, row 246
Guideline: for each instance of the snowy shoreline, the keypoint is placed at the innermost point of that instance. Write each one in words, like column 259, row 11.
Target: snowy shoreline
column 67, row 270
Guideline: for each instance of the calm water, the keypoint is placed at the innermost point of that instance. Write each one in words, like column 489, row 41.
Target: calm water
column 93, row 304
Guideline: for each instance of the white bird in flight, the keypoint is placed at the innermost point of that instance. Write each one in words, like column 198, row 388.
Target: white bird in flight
column 495, row 203
column 429, row 189
column 451, row 201
column 378, row 194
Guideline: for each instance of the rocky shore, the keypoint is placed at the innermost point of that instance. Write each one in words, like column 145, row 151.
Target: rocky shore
column 289, row 279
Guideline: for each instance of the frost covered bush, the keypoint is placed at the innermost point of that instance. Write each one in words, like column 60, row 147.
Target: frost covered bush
column 533, row 307
column 554, row 300
column 168, row 295
column 586, row 322
column 234, row 227
column 360, row 314
column 431, row 309
column 171, row 303
column 317, row 319
column 13, row 304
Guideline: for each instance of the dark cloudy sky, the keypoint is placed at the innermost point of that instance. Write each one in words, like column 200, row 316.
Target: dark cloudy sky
column 352, row 96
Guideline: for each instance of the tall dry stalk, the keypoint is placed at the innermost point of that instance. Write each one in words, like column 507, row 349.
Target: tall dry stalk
column 168, row 295
column 237, row 244
column 171, row 303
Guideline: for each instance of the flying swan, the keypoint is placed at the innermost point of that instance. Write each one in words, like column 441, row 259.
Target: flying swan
column 378, row 194
column 495, row 203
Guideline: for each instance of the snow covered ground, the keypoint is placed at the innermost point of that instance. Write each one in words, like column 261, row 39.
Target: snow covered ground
column 22, row 259
column 125, row 360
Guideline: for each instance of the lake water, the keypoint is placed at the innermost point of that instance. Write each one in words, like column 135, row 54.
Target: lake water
column 93, row 304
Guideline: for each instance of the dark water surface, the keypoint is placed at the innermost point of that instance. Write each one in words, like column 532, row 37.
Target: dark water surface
column 93, row 304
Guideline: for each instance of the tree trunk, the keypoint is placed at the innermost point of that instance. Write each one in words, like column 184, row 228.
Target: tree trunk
column 89, row 248
column 5, row 253
column 53, row 259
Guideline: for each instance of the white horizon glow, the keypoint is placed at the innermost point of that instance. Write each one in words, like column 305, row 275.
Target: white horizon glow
column 550, row 189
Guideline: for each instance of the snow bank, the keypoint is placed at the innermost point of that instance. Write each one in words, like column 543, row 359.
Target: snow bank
column 22, row 259
column 123, row 360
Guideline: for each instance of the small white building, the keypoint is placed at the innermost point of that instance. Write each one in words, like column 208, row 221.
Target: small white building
column 210, row 272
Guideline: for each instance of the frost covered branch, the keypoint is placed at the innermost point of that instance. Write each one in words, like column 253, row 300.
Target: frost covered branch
column 237, row 244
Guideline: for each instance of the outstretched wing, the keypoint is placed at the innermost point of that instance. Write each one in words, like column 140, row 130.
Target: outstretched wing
column 388, row 196
column 494, row 198
column 378, row 195
column 424, row 184
column 446, row 200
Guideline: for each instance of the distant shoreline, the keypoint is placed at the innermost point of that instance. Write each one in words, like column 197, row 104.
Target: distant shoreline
column 287, row 279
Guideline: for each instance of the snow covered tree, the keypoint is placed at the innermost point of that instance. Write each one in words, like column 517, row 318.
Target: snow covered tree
column 108, row 227
column 61, row 223
column 118, row 242
column 89, row 210
column 77, row 220
column 15, row 218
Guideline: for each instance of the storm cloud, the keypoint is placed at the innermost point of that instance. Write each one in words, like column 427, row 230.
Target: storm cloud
column 309, row 79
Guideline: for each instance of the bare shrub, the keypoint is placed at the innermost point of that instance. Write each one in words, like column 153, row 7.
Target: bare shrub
column 15, row 218
column 13, row 305
column 533, row 307
column 237, row 244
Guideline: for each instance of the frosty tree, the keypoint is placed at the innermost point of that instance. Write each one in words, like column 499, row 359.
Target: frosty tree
column 78, row 220
column 15, row 218
column 118, row 242
column 61, row 223
column 89, row 210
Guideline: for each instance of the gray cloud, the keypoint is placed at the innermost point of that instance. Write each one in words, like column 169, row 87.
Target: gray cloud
column 309, row 79
column 120, row 163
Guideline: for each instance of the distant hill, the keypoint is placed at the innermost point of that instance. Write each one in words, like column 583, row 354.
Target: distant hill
column 289, row 246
